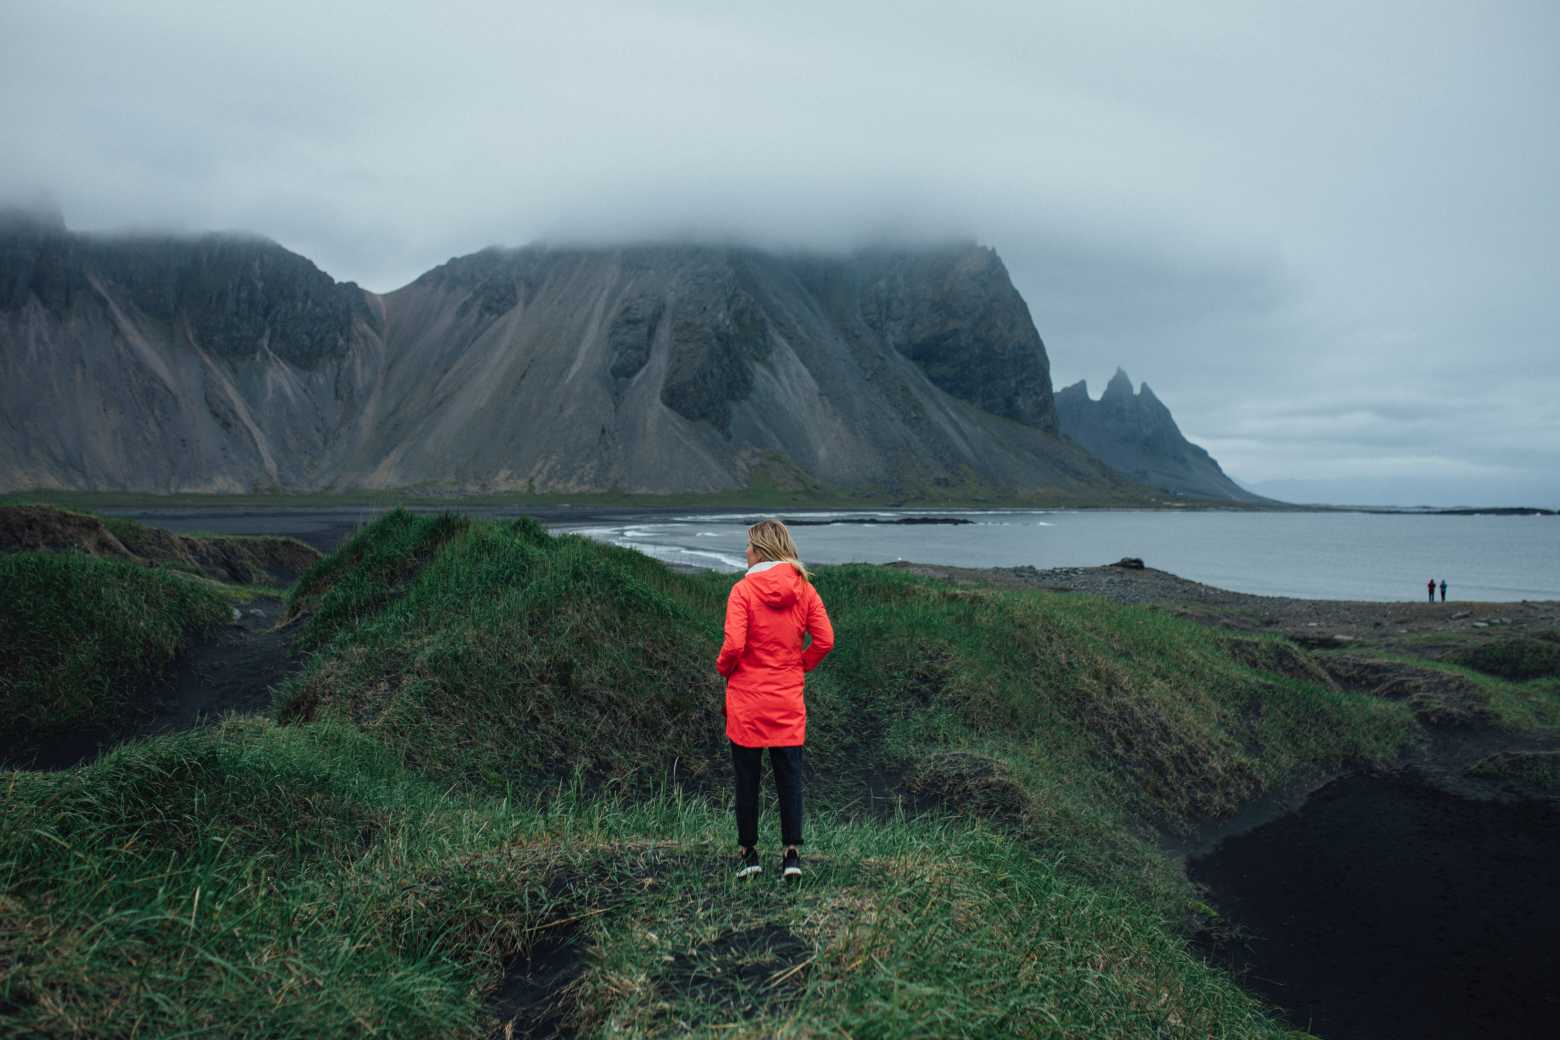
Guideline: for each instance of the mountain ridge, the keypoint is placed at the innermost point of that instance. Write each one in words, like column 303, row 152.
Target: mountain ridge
column 227, row 363
column 1135, row 434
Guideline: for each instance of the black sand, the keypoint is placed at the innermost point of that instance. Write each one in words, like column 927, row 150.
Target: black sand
column 1389, row 908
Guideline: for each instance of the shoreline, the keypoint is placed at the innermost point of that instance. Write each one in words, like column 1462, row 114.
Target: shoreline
column 326, row 528
column 1313, row 623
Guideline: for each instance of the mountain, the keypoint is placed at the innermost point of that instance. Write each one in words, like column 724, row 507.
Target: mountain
column 1135, row 434
column 227, row 363
column 218, row 363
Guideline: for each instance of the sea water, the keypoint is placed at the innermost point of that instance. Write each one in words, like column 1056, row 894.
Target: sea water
column 1327, row 555
column 1324, row 555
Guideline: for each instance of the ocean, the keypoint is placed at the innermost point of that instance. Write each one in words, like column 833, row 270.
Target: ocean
column 1325, row 555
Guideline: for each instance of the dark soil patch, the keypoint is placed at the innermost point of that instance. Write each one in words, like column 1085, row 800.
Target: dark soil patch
column 530, row 1000
column 746, row 971
column 41, row 528
column 1387, row 908
column 59, row 750
column 969, row 784
column 232, row 672
column 1437, row 698
column 1280, row 658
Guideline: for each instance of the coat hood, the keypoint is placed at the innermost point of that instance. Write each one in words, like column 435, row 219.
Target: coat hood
column 777, row 587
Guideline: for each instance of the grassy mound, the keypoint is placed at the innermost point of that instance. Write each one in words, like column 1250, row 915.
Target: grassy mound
column 297, row 881
column 499, row 790
column 226, row 558
column 81, row 638
column 464, row 647
column 1518, row 658
column 1534, row 773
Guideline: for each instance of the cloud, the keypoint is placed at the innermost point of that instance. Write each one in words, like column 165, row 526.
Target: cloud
column 1264, row 210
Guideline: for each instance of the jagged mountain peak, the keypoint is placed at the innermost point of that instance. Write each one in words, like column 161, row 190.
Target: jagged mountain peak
column 1135, row 433
column 1119, row 386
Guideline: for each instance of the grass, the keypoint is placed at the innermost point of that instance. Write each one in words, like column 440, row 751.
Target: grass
column 1523, row 706
column 1517, row 658
column 297, row 881
column 508, row 745
column 83, row 636
column 1534, row 771
column 440, row 634
column 238, row 559
column 231, row 559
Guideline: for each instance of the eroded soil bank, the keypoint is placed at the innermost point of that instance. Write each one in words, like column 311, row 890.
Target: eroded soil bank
column 1389, row 908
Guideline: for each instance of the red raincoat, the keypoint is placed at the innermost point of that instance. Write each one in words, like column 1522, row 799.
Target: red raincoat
column 762, row 657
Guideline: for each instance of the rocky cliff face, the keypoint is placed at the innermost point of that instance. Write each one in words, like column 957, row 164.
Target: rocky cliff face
column 218, row 363
column 1135, row 434
column 227, row 363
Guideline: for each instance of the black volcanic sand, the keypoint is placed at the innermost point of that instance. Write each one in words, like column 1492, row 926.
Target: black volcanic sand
column 234, row 672
column 1387, row 908
column 526, row 1001
column 231, row 672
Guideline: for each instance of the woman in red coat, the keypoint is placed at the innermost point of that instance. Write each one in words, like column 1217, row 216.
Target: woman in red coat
column 763, row 660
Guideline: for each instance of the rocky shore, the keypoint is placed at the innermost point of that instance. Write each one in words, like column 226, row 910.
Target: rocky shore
column 1315, row 623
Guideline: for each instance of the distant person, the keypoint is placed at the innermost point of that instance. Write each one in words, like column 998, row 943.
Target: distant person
column 763, row 661
column 1430, row 589
column 1443, row 590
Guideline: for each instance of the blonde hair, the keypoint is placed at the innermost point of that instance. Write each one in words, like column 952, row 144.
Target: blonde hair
column 772, row 541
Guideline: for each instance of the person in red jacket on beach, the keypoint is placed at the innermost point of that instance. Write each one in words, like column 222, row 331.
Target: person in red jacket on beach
column 764, row 661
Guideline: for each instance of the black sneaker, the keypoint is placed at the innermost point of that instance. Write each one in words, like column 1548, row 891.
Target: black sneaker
column 791, row 866
column 747, row 864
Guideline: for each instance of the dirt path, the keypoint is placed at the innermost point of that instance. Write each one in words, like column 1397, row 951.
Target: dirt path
column 232, row 671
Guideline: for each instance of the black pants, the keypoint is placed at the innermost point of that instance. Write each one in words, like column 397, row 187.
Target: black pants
column 787, row 764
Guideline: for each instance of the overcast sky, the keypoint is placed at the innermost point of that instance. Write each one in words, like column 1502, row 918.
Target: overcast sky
column 1327, row 234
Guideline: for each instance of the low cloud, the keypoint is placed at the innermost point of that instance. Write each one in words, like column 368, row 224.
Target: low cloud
column 1322, row 248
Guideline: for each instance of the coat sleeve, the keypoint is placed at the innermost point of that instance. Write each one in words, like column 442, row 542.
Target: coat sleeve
column 819, row 628
column 735, row 642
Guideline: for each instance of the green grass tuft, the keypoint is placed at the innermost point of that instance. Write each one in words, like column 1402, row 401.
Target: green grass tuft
column 82, row 637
